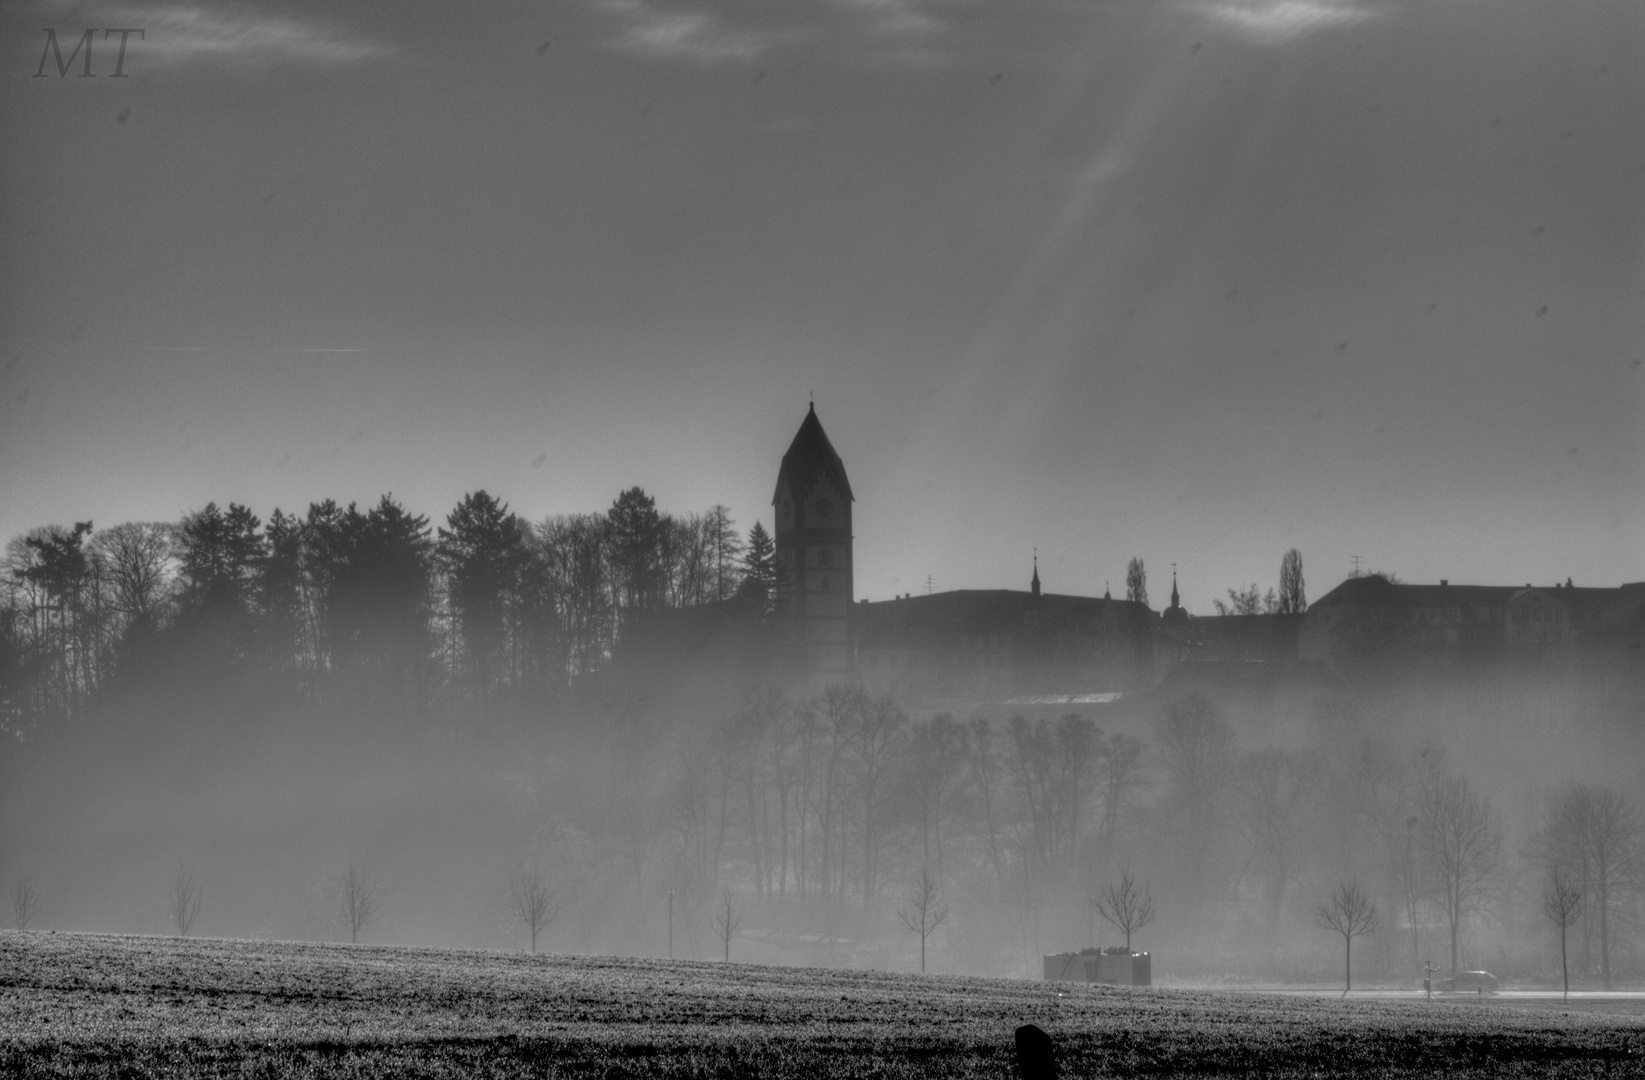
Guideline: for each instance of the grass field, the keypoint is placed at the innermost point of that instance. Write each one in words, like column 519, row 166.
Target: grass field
column 84, row 1005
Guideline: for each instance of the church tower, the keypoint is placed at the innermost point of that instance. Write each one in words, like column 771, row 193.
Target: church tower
column 813, row 541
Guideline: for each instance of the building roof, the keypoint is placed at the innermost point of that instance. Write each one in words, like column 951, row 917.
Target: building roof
column 979, row 611
column 809, row 456
column 1376, row 589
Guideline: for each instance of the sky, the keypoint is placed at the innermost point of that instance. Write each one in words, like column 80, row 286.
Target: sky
column 1195, row 282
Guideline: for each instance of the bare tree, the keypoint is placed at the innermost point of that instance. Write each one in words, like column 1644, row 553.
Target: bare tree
column 1249, row 601
column 532, row 903
column 1273, row 804
column 1195, row 745
column 24, row 903
column 726, row 920
column 925, row 912
column 1350, row 912
column 1293, row 596
column 358, row 898
column 1123, row 907
column 185, row 900
column 1459, row 836
column 1598, row 837
column 136, row 559
column 1562, row 903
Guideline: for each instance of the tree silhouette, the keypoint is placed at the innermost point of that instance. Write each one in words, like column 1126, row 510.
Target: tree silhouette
column 24, row 902
column 358, row 898
column 482, row 553
column 726, row 920
column 1293, row 596
column 1562, row 904
column 1459, row 836
column 925, row 912
column 1351, row 913
column 725, row 550
column 635, row 535
column 185, row 900
column 532, row 903
column 759, row 580
column 1124, row 908
column 1136, row 582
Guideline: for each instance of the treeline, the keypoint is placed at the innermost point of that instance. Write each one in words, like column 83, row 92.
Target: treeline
column 487, row 610
column 846, row 798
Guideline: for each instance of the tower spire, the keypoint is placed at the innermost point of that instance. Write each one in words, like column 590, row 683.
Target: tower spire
column 1034, row 585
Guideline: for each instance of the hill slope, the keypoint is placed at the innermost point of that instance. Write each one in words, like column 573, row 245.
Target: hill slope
column 96, row 1005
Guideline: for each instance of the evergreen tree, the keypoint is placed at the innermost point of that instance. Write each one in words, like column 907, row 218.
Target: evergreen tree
column 389, row 585
column 637, row 537
column 482, row 553
column 280, row 592
column 760, row 570
column 221, row 555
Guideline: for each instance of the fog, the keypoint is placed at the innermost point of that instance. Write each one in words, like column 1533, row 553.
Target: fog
column 262, row 752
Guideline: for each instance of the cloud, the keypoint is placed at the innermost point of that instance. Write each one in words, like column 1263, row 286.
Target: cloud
column 688, row 35
column 668, row 30
column 178, row 32
column 1273, row 22
column 893, row 17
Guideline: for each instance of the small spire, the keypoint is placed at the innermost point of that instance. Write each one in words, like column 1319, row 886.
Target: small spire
column 1175, row 600
column 1034, row 585
column 1106, row 594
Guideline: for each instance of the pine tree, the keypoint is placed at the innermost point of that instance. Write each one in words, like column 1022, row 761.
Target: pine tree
column 482, row 554
column 760, row 570
column 637, row 537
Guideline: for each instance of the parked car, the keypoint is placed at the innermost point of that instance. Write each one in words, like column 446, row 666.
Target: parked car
column 1470, row 982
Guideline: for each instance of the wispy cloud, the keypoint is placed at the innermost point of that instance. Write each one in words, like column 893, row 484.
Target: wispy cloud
column 702, row 36
column 1272, row 22
column 900, row 18
column 690, row 30
column 179, row 32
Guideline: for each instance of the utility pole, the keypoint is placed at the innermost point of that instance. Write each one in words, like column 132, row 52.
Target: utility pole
column 671, row 924
column 1357, row 560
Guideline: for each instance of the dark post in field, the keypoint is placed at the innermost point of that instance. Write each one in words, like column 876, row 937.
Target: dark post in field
column 1035, row 1061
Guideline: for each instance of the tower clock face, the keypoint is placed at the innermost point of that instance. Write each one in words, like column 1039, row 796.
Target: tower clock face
column 824, row 507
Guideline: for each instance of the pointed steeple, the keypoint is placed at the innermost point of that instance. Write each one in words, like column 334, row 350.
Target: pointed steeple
column 1174, row 613
column 811, row 455
column 1034, row 585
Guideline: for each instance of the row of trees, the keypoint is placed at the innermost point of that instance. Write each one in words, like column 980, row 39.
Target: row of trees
column 845, row 797
column 836, row 805
column 374, row 604
column 1290, row 598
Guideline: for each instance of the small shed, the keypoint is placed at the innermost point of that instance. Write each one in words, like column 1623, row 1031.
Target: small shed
column 1113, row 967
